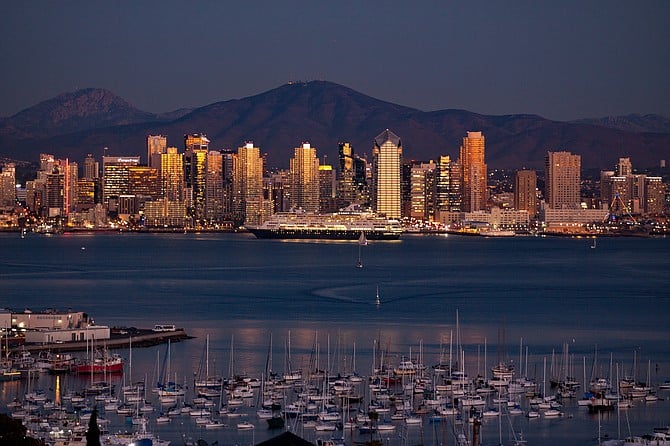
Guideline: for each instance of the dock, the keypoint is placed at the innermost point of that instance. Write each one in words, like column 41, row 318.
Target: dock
column 119, row 339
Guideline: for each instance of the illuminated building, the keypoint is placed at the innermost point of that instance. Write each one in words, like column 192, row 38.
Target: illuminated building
column 195, row 173
column 156, row 146
column 214, row 188
column 327, row 201
column 562, row 180
column 386, row 163
column 655, row 195
column 448, row 185
column 422, row 191
column 171, row 173
column 473, row 172
column 304, row 178
column 247, row 187
column 346, row 188
column 116, row 176
column 91, row 167
column 8, row 186
column 525, row 191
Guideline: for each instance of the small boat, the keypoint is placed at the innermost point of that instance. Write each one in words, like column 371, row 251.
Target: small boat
column 377, row 300
column 593, row 245
column 244, row 425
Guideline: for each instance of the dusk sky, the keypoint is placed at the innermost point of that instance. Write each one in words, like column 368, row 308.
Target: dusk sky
column 559, row 59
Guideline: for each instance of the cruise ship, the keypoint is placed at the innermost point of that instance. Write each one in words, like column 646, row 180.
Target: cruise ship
column 347, row 224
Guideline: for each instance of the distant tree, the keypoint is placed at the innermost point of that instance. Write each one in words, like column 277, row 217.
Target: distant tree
column 13, row 433
column 93, row 432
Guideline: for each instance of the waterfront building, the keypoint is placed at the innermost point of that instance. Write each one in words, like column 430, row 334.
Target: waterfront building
column 165, row 213
column 116, row 177
column 171, row 174
column 50, row 319
column 346, row 189
column 500, row 218
column 562, row 180
column 8, row 186
column 214, row 188
column 275, row 191
column 571, row 216
column 525, row 191
column 156, row 146
column 143, row 182
column 55, row 197
column 304, row 178
column 422, row 191
column 327, row 202
column 50, row 336
column 654, row 191
column 448, row 192
column 247, row 185
column 195, row 171
column 386, row 174
column 473, row 172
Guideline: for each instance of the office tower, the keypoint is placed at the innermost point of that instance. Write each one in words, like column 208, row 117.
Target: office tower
column 386, row 165
column 247, row 185
column 116, row 176
column 448, row 194
column 214, row 188
column 327, row 201
column 227, row 156
column 624, row 167
column 55, row 193
column 156, row 146
column 171, row 174
column 473, row 172
column 91, row 167
column 654, row 193
column 71, row 170
column 562, row 180
column 143, row 182
column 346, row 187
column 423, row 191
column 86, row 194
column 195, row 167
column 304, row 178
column 8, row 186
column 525, row 186
column 47, row 162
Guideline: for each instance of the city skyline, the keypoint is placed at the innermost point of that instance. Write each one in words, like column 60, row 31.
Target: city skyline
column 562, row 61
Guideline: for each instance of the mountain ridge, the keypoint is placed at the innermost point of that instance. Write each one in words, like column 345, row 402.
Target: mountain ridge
column 323, row 113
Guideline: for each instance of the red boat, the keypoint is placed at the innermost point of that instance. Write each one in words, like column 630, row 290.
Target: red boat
column 102, row 362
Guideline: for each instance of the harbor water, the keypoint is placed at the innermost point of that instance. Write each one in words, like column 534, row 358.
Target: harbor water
column 528, row 301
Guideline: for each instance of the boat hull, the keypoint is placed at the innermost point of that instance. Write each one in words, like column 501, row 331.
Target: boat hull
column 314, row 234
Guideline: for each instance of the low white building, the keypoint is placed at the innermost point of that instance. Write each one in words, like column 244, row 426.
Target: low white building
column 50, row 336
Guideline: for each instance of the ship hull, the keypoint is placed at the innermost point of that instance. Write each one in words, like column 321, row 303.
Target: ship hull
column 321, row 234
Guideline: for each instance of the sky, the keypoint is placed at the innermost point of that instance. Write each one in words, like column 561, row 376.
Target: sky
column 559, row 59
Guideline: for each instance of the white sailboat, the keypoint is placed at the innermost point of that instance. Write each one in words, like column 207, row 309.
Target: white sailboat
column 593, row 245
column 362, row 241
column 377, row 300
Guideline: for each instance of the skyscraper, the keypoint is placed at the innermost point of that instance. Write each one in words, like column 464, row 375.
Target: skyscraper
column 247, row 187
column 346, row 189
column 171, row 174
column 116, row 176
column 525, row 197
column 473, row 172
column 214, row 188
column 562, row 180
column 422, row 191
column 304, row 178
column 156, row 146
column 195, row 171
column 448, row 194
column 91, row 169
column 386, row 165
column 8, row 186
column 326, row 197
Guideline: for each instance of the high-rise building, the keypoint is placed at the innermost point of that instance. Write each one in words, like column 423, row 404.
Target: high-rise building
column 247, row 185
column 327, row 202
column 171, row 174
column 655, row 196
column 214, row 188
column 473, row 172
column 346, row 187
column 8, row 186
column 195, row 170
column 116, row 176
column 304, row 178
column 448, row 193
column 562, row 180
column 143, row 182
column 624, row 167
column 386, row 172
column 91, row 167
column 423, row 191
column 525, row 191
column 156, row 146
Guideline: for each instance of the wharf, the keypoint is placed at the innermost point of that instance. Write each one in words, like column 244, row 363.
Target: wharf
column 120, row 338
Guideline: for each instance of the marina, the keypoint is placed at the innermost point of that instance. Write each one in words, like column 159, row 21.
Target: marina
column 453, row 343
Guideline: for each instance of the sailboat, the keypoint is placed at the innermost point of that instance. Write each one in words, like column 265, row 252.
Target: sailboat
column 377, row 300
column 362, row 241
column 593, row 245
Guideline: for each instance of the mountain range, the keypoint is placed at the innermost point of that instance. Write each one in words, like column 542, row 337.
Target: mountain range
column 323, row 113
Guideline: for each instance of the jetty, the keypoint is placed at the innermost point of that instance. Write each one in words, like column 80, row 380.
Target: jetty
column 120, row 338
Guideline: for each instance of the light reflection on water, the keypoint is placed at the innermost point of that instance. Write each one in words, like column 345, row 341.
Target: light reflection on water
column 241, row 292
